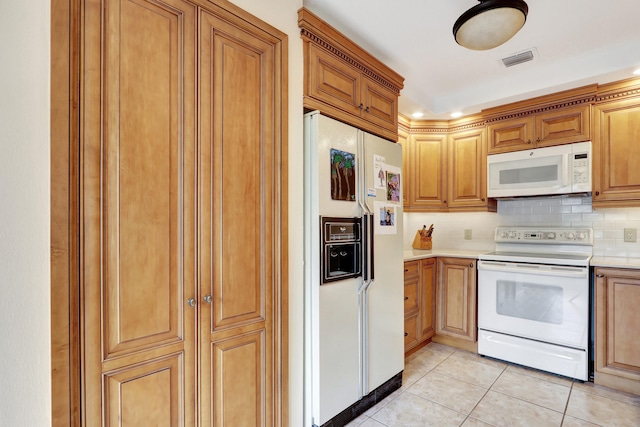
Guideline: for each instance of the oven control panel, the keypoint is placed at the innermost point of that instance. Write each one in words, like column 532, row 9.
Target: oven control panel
column 576, row 236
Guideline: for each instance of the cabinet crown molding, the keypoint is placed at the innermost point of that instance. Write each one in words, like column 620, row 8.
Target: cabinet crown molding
column 315, row 30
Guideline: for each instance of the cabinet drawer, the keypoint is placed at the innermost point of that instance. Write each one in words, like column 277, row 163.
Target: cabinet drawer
column 411, row 296
column 410, row 332
column 411, row 268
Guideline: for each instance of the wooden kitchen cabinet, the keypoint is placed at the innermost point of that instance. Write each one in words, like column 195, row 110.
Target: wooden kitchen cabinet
column 456, row 298
column 403, row 140
column 345, row 82
column 467, row 171
column 427, row 312
column 616, row 175
column 446, row 172
column 543, row 129
column 427, row 174
column 617, row 322
column 419, row 301
column 179, row 325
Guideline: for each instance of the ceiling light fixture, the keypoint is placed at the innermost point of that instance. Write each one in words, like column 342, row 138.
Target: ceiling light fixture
column 490, row 23
column 456, row 114
column 636, row 71
column 417, row 115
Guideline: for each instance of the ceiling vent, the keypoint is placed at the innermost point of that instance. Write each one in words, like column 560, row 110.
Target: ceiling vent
column 518, row 58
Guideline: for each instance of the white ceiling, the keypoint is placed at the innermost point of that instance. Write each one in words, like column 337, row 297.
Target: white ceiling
column 578, row 42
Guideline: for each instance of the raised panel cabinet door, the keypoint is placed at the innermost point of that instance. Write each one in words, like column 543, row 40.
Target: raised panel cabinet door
column 428, row 278
column 380, row 104
column 403, row 140
column 428, row 184
column 563, row 126
column 616, row 176
column 333, row 81
column 240, row 214
column 137, row 169
column 456, row 298
column 467, row 185
column 510, row 135
column 617, row 320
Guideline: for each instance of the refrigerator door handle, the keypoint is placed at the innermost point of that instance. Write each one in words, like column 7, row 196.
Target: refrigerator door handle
column 365, row 248
column 371, row 251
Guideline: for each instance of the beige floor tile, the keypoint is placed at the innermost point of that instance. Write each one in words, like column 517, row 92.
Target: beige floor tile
column 369, row 412
column 358, row 421
column 447, row 391
column 472, row 369
column 412, row 373
column 501, row 410
column 602, row 410
column 621, row 396
column 533, row 390
column 409, row 410
column 576, row 422
column 371, row 423
column 540, row 374
column 430, row 356
column 472, row 422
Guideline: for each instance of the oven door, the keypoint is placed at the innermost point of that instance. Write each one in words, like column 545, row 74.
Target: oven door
column 541, row 302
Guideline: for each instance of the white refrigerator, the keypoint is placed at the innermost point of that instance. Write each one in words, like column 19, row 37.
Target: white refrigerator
column 354, row 328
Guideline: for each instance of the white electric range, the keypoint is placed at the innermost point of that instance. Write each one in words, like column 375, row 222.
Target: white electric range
column 533, row 298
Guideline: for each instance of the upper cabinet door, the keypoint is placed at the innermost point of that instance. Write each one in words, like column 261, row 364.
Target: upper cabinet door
column 467, row 169
column 138, row 212
column 511, row 135
column 616, row 176
column 379, row 104
column 333, row 81
column 427, row 188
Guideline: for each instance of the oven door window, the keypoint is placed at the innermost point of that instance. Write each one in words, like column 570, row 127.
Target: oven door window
column 530, row 301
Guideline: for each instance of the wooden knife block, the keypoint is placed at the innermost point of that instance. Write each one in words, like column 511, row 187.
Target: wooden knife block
column 420, row 242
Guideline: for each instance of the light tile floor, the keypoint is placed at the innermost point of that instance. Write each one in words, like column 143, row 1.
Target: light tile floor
column 443, row 386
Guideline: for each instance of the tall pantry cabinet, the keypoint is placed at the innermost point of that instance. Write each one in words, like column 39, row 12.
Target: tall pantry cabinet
column 182, row 215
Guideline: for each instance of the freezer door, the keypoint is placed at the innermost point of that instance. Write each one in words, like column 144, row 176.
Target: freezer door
column 383, row 313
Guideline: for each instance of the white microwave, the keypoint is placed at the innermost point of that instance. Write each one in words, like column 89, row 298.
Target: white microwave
column 562, row 169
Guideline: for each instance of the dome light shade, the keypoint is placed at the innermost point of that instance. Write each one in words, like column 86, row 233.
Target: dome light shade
column 490, row 23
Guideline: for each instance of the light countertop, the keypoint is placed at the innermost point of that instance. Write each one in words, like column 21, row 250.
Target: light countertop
column 619, row 262
column 414, row 254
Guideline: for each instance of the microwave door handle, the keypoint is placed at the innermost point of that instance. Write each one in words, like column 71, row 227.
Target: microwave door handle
column 565, row 171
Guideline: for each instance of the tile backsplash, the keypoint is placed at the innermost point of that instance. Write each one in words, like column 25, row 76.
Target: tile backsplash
column 608, row 224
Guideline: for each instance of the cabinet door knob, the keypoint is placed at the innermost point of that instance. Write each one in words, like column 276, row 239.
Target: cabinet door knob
column 600, row 275
column 528, row 141
column 208, row 299
column 361, row 106
column 597, row 193
column 406, row 334
column 191, row 302
column 471, row 265
column 406, row 298
column 366, row 109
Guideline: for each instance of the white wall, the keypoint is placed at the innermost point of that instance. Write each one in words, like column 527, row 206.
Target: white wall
column 608, row 224
column 283, row 15
column 25, row 358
